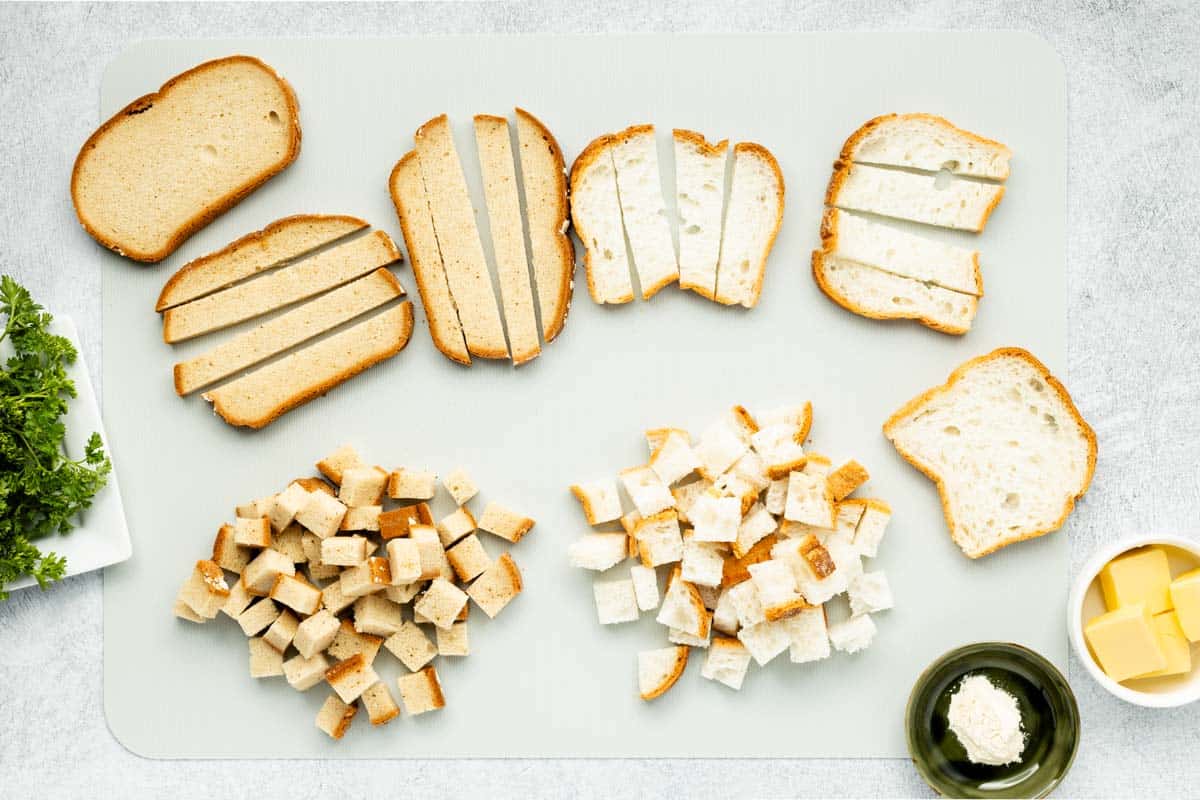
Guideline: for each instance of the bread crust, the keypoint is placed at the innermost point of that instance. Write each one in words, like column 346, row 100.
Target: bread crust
column 855, row 139
column 221, row 204
column 595, row 149
column 699, row 142
column 681, row 659
column 765, row 155
column 913, row 405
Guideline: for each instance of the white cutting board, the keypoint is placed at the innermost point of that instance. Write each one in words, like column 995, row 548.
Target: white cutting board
column 546, row 679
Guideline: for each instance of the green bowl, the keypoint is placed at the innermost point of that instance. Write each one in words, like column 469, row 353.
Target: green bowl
column 1049, row 716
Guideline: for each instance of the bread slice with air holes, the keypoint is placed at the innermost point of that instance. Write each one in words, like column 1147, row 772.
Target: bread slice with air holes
column 700, row 200
column 643, row 210
column 956, row 203
column 927, row 142
column 596, row 215
column 171, row 162
column 1004, row 443
column 753, row 215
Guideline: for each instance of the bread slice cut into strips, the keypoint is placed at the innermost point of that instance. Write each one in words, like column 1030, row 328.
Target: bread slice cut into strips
column 596, row 215
column 1004, row 443
column 503, row 201
column 925, row 198
column 466, row 266
column 416, row 222
column 753, row 215
column 296, row 326
column 927, row 142
column 544, row 181
column 258, row 398
column 280, row 242
column 635, row 156
column 700, row 201
column 293, row 283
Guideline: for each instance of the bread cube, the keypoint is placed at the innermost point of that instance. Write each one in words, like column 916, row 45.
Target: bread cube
column 205, row 591
column 282, row 631
column 265, row 660
column 673, row 459
column 869, row 532
column 377, row 615
column 817, row 466
column 709, row 595
column 397, row 523
column 404, row 560
column 381, row 708
column 260, row 574
column 258, row 616
column 350, row 678
column 781, row 448
column 656, row 436
column 373, row 575
column 600, row 501
column 227, row 553
column 315, row 633
column 814, row 588
column 335, row 716
column 455, row 526
column 349, row 642
column 776, row 500
column 318, row 572
column 747, row 604
column 809, row 636
column 255, row 533
column 312, row 484
column 344, row 551
column 846, row 478
column 765, row 640
column 337, row 462
column 255, row 508
column 645, row 587
column 852, row 635
column 817, row 555
column 184, row 611
column 725, row 616
column 797, row 415
column 297, row 594
column 676, row 636
column 616, row 601
column 598, row 551
column 421, row 691
column 362, row 486
column 334, row 599
column 286, row 505
column 847, row 516
column 754, row 527
column 433, row 556
column 460, row 486
column 290, row 542
column 869, row 593
column 411, row 484
column 508, row 525
column 304, row 673
column 238, row 601
column 468, row 558
column 321, row 514
column 809, row 500
column 658, row 670
column 441, row 603
column 703, row 562
column 659, row 539
column 776, row 585
column 686, row 495
column 719, row 447
column 683, row 609
column 648, row 493
column 453, row 641
column 715, row 518
column 361, row 518
column 402, row 593
column 727, row 662
column 497, row 586
column 411, row 646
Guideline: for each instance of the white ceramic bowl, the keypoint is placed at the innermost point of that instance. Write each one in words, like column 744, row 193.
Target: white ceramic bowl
column 1087, row 601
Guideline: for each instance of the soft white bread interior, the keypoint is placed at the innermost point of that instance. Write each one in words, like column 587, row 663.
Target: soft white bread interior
column 700, row 200
column 954, row 203
column 596, row 215
column 752, row 218
column 1004, row 443
column 927, row 142
column 658, row 670
column 643, row 210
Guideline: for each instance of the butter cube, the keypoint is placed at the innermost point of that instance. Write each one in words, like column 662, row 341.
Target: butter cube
column 1124, row 642
column 1138, row 577
column 1174, row 645
column 1185, row 595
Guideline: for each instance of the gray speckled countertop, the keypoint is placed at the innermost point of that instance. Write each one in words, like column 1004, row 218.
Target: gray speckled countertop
column 1133, row 72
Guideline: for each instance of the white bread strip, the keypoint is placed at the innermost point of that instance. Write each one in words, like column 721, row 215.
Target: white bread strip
column 466, row 265
column 873, row 293
column 926, row 142
column 257, row 399
column 508, row 235
column 700, row 200
column 544, row 180
column 299, row 325
column 416, row 223
column 854, row 238
column 642, row 209
column 596, row 215
column 962, row 205
column 291, row 284
column 752, row 218
column 282, row 241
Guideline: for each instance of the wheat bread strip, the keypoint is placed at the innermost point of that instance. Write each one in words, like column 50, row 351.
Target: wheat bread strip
column 296, row 326
column 282, row 241
column 416, row 223
column 961, row 204
column 753, row 215
column 259, row 398
column 544, row 181
column 700, row 200
column 643, row 211
column 927, row 142
column 503, row 202
column 283, row 287
column 596, row 215
column 172, row 161
column 458, row 239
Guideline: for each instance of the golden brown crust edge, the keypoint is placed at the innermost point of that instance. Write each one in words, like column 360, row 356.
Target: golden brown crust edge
column 221, row 204
column 681, row 659
column 855, row 139
column 1004, row 352
column 767, row 156
column 698, row 141
column 595, row 149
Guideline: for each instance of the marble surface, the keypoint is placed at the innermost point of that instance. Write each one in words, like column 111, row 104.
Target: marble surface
column 1133, row 72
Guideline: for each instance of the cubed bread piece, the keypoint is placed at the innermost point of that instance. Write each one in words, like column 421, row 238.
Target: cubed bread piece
column 648, row 493
column 676, row 636
column 682, row 608
column 265, row 660
column 809, row 500
column 460, row 486
column 290, row 542
column 337, row 462
column 311, row 544
column 798, row 415
column 350, row 678
column 709, row 595
column 656, row 436
column 315, row 633
column 344, row 551
column 318, row 572
column 726, row 662
column 497, row 586
column 286, row 505
column 335, row 716
column 441, row 603
column 742, row 422
column 402, row 593
column 404, row 559
column 373, row 575
column 455, row 526
column 255, row 508
column 508, row 525
column 674, row 459
column 755, row 526
column 658, row 670
column 237, row 602
column 846, row 478
column 205, row 591
column 411, row 484
column 381, row 707
column 433, row 556
column 817, row 466
column 715, row 517
column 720, row 446
column 421, row 691
column 725, row 616
column 781, row 448
column 362, row 518
column 776, row 586
column 334, row 599
column 321, row 514
column 871, row 527
column 645, row 587
column 311, row 484
column 227, row 553
column 349, row 642
column 852, row 635
column 659, row 539
column 616, row 601
column 869, row 593
column 453, row 641
column 814, row 588
column 703, row 562
column 733, row 485
column 849, row 513
column 260, row 574
column 297, row 594
column 254, row 533
column 258, row 616
column 468, row 558
column 817, row 555
column 765, row 640
column 393, row 524
column 747, row 604
column 598, row 551
column 686, row 494
column 375, row 614
column 411, row 646
column 600, row 501
column 809, row 637
column 282, row 631
column 362, row 486
column 304, row 673
column 184, row 611
column 776, row 499
column 630, row 521
column 738, row 569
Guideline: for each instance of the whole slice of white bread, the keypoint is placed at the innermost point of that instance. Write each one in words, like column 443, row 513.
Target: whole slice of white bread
column 259, row 398
column 285, row 286
column 544, row 181
column 1005, row 445
column 960, row 204
column 874, row 293
column 280, row 242
column 752, row 218
column 700, row 200
column 854, row 238
column 503, row 201
column 643, row 211
column 596, row 215
column 458, row 239
column 287, row 330
column 416, row 223
column 170, row 162
column 927, row 142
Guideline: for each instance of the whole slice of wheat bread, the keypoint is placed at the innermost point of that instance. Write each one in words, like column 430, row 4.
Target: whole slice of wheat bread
column 458, row 239
column 700, row 200
column 503, row 200
column 927, row 142
column 753, row 215
column 170, row 162
column 596, row 215
column 960, row 204
column 544, row 181
column 283, row 287
column 287, row 330
column 416, row 222
column 280, row 242
column 1004, row 443
column 643, row 211
column 259, row 398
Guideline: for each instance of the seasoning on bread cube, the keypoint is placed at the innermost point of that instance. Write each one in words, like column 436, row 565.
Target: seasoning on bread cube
column 1140, row 576
column 252, row 532
column 205, row 591
column 460, row 486
column 411, row 646
column 349, row 642
column 600, row 501
column 335, row 716
column 290, row 542
column 1125, row 643
column 421, row 691
column 362, row 486
column 497, row 586
column 381, row 707
column 453, row 641
column 1185, row 596
column 265, row 660
column 296, row 593
column 411, row 484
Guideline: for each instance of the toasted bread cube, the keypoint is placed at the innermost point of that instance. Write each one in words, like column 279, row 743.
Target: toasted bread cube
column 421, row 691
column 255, row 533
column 676, row 636
column 497, row 586
column 776, row 585
column 237, row 602
column 616, row 601
column 411, row 646
column 311, row 544
column 508, row 525
column 781, row 448
column 433, row 555
column 421, row 619
column 404, row 559
column 630, row 521
column 725, row 616
column 255, row 508
column 752, row 469
column 375, row 614
column 747, row 604
column 453, row 641
column 673, row 459
column 381, row 708
column 311, row 484
column 600, row 501
column 815, row 588
column 727, row 662
column 659, row 539
column 297, row 594
column 227, row 553
column 362, row 486
column 809, row 635
column 703, row 563
column 658, row 670
column 350, row 678
column 282, row 631
column 460, row 486
column 776, row 499
column 755, row 526
column 260, row 574
column 258, row 616
column 321, row 514
column 315, row 633
column 441, row 603
column 765, row 640
column 468, row 558
column 720, row 446
column 403, row 592
column 205, row 591
column 647, row 491
column 817, row 466
column 869, row 593
column 290, row 542
column 455, row 526
column 337, row 462
column 817, row 555
column 184, row 611
column 318, row 572
column 373, row 575
column 656, row 436
column 715, row 518
column 265, row 660
column 645, row 587
column 304, row 673
column 683, row 609
column 349, row 642
column 335, row 716
column 598, row 551
column 362, row 518
column 853, row 634
column 849, row 513
column 809, row 500
column 411, row 484
column 344, row 551
column 846, row 478
column 286, row 505
column 869, row 532
column 397, row 523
